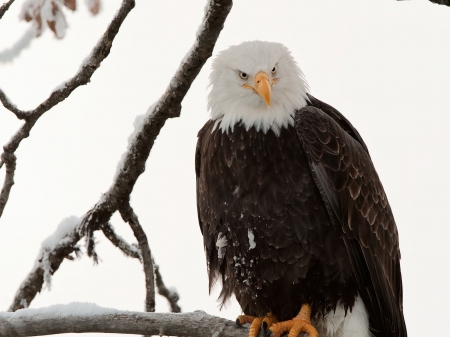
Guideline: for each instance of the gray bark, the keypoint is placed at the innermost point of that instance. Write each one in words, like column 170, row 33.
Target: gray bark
column 196, row 324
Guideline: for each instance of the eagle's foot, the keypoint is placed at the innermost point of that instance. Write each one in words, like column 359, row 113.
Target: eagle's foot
column 257, row 323
column 300, row 323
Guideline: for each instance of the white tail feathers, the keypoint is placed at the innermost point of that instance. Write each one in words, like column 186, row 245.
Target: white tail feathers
column 337, row 324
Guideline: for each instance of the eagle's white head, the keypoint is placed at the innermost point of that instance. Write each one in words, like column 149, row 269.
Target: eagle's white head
column 257, row 84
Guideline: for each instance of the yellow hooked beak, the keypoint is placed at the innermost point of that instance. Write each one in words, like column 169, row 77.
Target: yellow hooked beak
column 262, row 86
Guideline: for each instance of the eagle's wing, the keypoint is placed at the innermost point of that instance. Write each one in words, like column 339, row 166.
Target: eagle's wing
column 208, row 240
column 358, row 207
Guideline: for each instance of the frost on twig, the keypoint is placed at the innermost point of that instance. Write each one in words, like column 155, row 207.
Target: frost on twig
column 88, row 317
column 53, row 250
column 99, row 53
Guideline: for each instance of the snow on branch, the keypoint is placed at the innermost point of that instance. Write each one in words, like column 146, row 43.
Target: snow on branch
column 5, row 7
column 53, row 250
column 88, row 317
column 89, row 66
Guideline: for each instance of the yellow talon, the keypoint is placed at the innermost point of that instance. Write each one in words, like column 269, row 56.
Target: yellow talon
column 300, row 323
column 256, row 322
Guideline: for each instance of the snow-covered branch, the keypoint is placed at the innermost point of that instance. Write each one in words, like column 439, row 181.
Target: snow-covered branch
column 86, row 317
column 129, row 216
column 5, row 7
column 89, row 66
column 54, row 249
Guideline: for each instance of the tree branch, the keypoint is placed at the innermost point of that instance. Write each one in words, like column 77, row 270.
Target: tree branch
column 168, row 106
column 116, row 240
column 170, row 295
column 5, row 7
column 441, row 2
column 131, row 251
column 48, row 261
column 92, row 63
column 129, row 216
column 133, row 166
column 9, row 159
column 30, row 322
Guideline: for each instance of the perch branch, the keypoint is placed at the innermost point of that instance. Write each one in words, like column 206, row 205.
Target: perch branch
column 5, row 7
column 98, row 54
column 171, row 296
column 29, row 322
column 129, row 216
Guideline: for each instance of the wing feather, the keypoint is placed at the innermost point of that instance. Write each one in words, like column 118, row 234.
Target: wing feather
column 358, row 207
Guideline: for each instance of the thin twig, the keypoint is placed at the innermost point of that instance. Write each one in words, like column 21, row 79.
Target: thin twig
column 170, row 295
column 129, row 216
column 5, row 7
column 132, row 251
column 29, row 322
column 10, row 163
column 99, row 53
column 119, row 242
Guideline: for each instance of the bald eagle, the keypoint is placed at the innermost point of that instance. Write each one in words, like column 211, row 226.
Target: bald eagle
column 294, row 218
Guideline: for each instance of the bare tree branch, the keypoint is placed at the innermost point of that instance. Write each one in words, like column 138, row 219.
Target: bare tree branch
column 116, row 240
column 168, row 106
column 195, row 324
column 131, row 251
column 129, row 216
column 133, row 166
column 5, row 7
column 441, row 2
column 170, row 295
column 99, row 53
column 10, row 161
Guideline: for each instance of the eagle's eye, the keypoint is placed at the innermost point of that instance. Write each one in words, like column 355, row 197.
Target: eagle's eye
column 243, row 75
column 274, row 70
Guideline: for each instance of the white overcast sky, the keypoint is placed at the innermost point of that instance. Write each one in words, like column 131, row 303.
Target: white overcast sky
column 383, row 63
